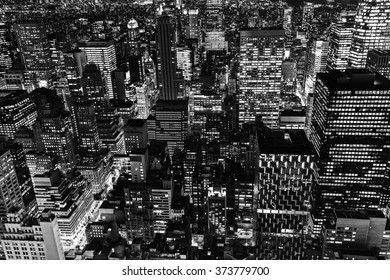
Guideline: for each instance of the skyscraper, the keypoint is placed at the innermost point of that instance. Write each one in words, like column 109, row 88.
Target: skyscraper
column 35, row 50
column 339, row 46
column 172, row 123
column 379, row 61
column 371, row 30
column 350, row 133
column 166, row 59
column 16, row 110
column 10, row 192
column 260, row 75
column 316, row 62
column 102, row 53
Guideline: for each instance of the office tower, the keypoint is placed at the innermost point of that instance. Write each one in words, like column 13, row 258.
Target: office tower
column 132, row 36
column 244, row 191
column 85, row 127
column 172, row 123
column 183, row 59
column 14, row 79
column 214, row 20
column 74, row 63
column 207, row 115
column 134, row 53
column 94, row 87
column 69, row 199
column 16, row 110
column 138, row 209
column 39, row 163
column 370, row 31
column 339, row 46
column 349, row 131
column 102, row 53
column 316, row 62
column 96, row 170
column 379, row 61
column 308, row 15
column 166, row 59
column 30, row 238
column 217, row 212
column 192, row 29
column 215, row 41
column 135, row 134
column 109, row 126
column 5, row 53
column 10, row 192
column 355, row 234
column 52, row 130
column 162, row 200
column 286, row 174
column 144, row 101
column 287, row 16
column 260, row 75
column 35, row 50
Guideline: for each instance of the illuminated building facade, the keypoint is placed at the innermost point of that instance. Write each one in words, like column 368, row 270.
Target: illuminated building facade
column 166, row 59
column 10, row 192
column 260, row 75
column 350, row 133
column 102, row 53
column 355, row 231
column 287, row 171
column 35, row 50
column 370, row 30
column 339, row 45
column 172, row 123
column 28, row 238
column 16, row 110
column 379, row 61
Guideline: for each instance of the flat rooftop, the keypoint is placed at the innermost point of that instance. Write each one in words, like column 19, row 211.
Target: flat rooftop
column 263, row 33
column 354, row 79
column 136, row 122
column 289, row 141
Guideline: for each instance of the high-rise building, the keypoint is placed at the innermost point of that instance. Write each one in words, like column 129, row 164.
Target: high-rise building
column 287, row 171
column 308, row 15
column 260, row 75
column 172, row 123
column 94, row 87
column 135, row 134
column 52, row 130
column 138, row 209
column 5, row 52
column 28, row 238
column 371, row 30
column 70, row 200
column 379, row 61
column 102, row 53
column 192, row 29
column 316, row 62
column 166, row 59
column 10, row 191
column 74, row 63
column 35, row 50
column 86, row 130
column 356, row 233
column 16, row 110
column 339, row 45
column 133, row 39
column 350, row 133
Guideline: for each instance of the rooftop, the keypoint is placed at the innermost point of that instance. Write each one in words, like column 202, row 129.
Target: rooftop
column 279, row 141
column 354, row 79
column 136, row 122
column 263, row 33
